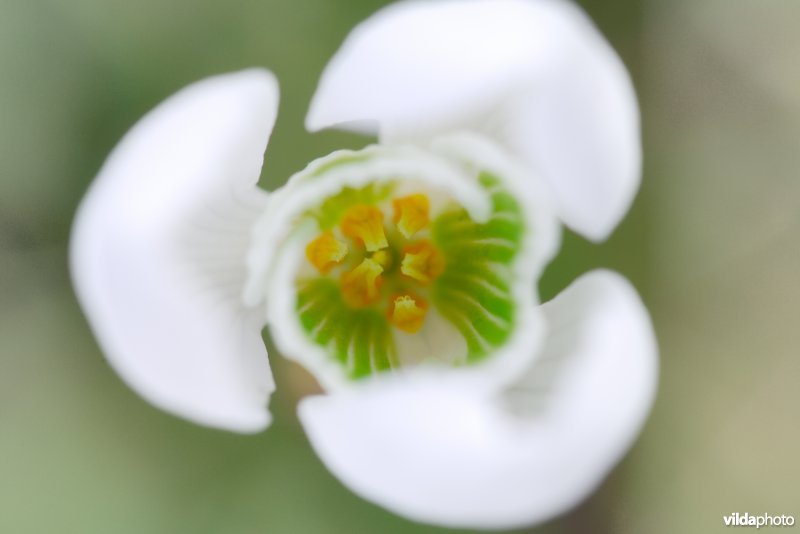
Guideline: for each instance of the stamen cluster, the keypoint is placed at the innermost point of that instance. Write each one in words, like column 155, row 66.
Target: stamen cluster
column 382, row 262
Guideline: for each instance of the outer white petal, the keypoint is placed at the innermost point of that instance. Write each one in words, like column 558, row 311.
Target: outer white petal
column 438, row 453
column 158, row 252
column 535, row 74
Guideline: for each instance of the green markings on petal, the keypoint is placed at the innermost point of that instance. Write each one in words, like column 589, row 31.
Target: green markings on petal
column 331, row 211
column 472, row 287
column 359, row 339
column 474, row 292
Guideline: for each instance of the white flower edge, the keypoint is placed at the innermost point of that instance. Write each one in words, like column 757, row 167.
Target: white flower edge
column 439, row 453
column 158, row 248
column 535, row 75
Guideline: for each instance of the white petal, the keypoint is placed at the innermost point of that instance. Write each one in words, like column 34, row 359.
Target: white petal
column 158, row 252
column 535, row 74
column 439, row 453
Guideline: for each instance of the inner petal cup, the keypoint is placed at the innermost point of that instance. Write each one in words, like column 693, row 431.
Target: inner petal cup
column 404, row 262
column 395, row 269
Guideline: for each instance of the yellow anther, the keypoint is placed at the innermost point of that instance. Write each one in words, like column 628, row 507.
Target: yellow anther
column 407, row 313
column 382, row 258
column 325, row 252
column 365, row 225
column 411, row 214
column 360, row 287
column 422, row 261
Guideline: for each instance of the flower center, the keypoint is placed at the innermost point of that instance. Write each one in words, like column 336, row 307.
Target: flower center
column 365, row 249
column 392, row 264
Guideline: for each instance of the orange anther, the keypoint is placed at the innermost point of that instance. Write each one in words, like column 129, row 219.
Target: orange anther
column 411, row 214
column 422, row 261
column 407, row 313
column 325, row 251
column 360, row 287
column 365, row 224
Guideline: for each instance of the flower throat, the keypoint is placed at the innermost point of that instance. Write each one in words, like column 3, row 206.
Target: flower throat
column 383, row 263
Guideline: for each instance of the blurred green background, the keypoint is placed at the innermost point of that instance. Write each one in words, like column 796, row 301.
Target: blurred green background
column 711, row 243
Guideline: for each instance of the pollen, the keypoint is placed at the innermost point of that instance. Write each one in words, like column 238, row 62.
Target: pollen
column 365, row 224
column 407, row 313
column 411, row 214
column 325, row 251
column 361, row 286
column 422, row 261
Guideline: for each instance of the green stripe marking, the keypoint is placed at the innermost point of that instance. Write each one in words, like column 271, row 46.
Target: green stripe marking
column 474, row 292
column 359, row 339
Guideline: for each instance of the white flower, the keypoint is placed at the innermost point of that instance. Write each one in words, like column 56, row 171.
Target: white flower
column 403, row 276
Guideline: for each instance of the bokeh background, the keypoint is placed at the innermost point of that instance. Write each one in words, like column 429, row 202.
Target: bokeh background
column 711, row 243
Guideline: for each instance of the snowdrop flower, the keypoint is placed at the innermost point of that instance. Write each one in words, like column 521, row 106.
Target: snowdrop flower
column 404, row 275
